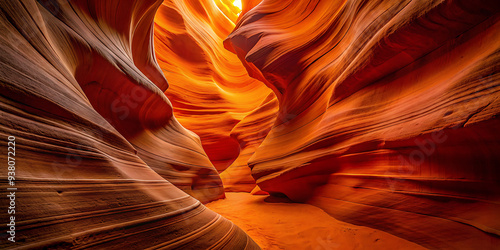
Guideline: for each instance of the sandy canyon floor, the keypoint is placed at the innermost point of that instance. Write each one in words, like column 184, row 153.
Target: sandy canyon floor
column 278, row 224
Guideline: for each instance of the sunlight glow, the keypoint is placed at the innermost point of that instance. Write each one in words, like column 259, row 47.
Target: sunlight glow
column 237, row 3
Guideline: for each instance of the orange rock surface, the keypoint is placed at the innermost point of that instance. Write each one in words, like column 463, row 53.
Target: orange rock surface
column 387, row 112
column 97, row 146
column 129, row 115
column 275, row 224
column 210, row 90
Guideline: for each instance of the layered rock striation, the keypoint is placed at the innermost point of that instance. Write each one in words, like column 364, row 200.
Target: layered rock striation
column 210, row 89
column 100, row 158
column 382, row 113
column 388, row 112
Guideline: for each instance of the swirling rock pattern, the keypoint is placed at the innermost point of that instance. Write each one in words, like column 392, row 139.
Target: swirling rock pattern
column 210, row 89
column 382, row 113
column 249, row 132
column 97, row 145
column 387, row 112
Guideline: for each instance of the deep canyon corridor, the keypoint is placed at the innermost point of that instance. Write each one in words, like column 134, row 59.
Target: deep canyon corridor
column 252, row 124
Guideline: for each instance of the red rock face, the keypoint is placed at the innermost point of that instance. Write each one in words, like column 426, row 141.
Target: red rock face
column 387, row 112
column 382, row 113
column 211, row 91
column 99, row 153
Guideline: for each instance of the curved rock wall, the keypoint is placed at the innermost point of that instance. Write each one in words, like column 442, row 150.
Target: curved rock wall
column 383, row 113
column 249, row 132
column 210, row 89
column 387, row 112
column 97, row 146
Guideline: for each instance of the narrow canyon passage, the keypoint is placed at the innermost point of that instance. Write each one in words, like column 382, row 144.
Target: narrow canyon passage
column 357, row 108
column 252, row 124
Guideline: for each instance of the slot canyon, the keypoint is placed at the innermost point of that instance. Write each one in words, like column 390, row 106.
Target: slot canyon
column 252, row 124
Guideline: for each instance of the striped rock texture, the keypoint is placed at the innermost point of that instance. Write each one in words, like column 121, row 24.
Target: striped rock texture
column 382, row 113
column 211, row 91
column 388, row 112
column 100, row 159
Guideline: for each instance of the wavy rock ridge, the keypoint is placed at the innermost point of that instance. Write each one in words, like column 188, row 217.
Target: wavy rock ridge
column 387, row 112
column 98, row 149
column 382, row 113
column 210, row 90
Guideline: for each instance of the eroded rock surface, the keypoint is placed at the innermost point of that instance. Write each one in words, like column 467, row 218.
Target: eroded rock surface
column 387, row 112
column 100, row 159
column 210, row 89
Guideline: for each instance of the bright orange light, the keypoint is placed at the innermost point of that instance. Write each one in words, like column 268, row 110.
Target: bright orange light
column 237, row 3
